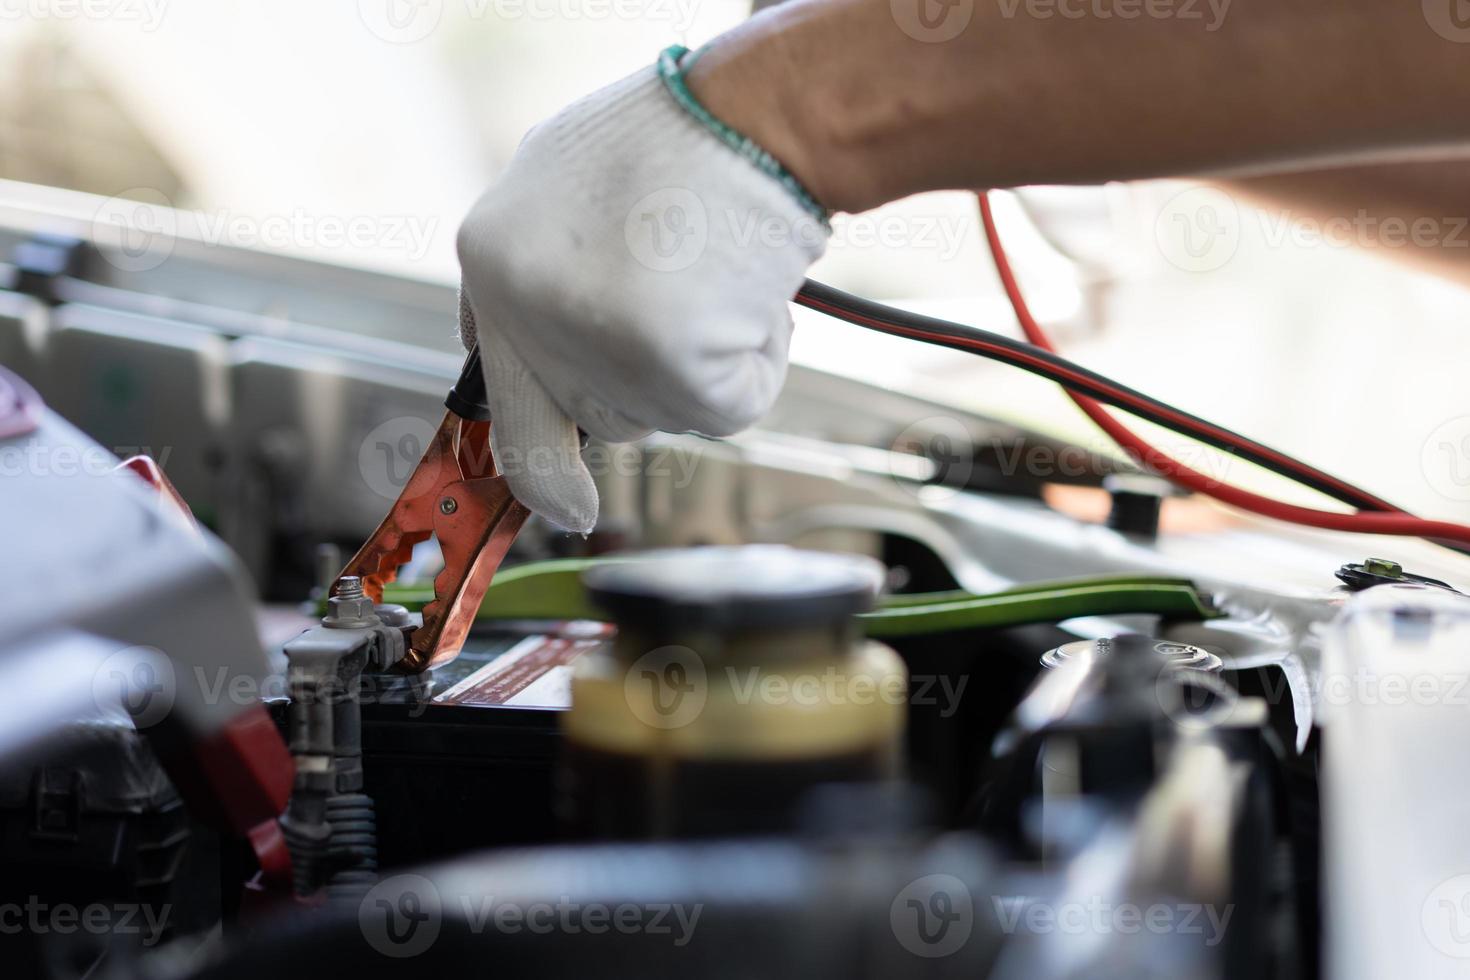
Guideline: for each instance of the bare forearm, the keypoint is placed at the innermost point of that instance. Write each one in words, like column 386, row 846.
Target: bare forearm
column 865, row 113
column 1417, row 212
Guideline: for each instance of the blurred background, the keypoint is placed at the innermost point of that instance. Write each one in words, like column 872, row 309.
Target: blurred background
column 359, row 133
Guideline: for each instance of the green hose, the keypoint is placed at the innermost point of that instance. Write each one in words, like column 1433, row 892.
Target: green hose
column 552, row 590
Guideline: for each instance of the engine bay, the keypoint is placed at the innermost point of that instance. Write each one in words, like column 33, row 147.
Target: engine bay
column 850, row 694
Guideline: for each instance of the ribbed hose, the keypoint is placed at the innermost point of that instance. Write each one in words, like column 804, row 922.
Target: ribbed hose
column 340, row 854
column 308, row 846
column 352, row 849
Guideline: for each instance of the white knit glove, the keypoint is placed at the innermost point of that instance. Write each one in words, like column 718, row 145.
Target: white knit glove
column 628, row 272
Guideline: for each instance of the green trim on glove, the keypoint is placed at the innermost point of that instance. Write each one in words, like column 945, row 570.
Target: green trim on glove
column 672, row 67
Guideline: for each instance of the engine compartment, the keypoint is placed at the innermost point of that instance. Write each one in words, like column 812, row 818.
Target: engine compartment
column 1162, row 747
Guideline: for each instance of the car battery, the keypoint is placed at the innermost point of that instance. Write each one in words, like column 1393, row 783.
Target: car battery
column 464, row 756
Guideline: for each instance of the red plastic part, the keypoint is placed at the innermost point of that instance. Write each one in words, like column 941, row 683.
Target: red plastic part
column 169, row 497
column 239, row 779
column 20, row 406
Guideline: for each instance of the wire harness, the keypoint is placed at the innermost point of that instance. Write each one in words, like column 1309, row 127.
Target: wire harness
column 1090, row 391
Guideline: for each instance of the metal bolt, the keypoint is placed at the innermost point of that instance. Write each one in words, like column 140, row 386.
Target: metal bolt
column 350, row 608
column 448, row 506
column 1384, row 567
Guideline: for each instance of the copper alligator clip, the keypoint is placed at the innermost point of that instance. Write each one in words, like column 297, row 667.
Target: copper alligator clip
column 455, row 495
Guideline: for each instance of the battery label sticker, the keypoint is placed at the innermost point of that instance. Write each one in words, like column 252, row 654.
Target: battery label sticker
column 535, row 673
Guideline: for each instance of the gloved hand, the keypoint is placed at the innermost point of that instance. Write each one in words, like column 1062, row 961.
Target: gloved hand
column 628, row 272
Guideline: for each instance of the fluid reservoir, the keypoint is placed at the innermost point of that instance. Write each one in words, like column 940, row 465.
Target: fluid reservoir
column 1393, row 700
column 738, row 681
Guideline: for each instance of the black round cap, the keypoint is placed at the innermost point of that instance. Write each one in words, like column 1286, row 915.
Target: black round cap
column 747, row 587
